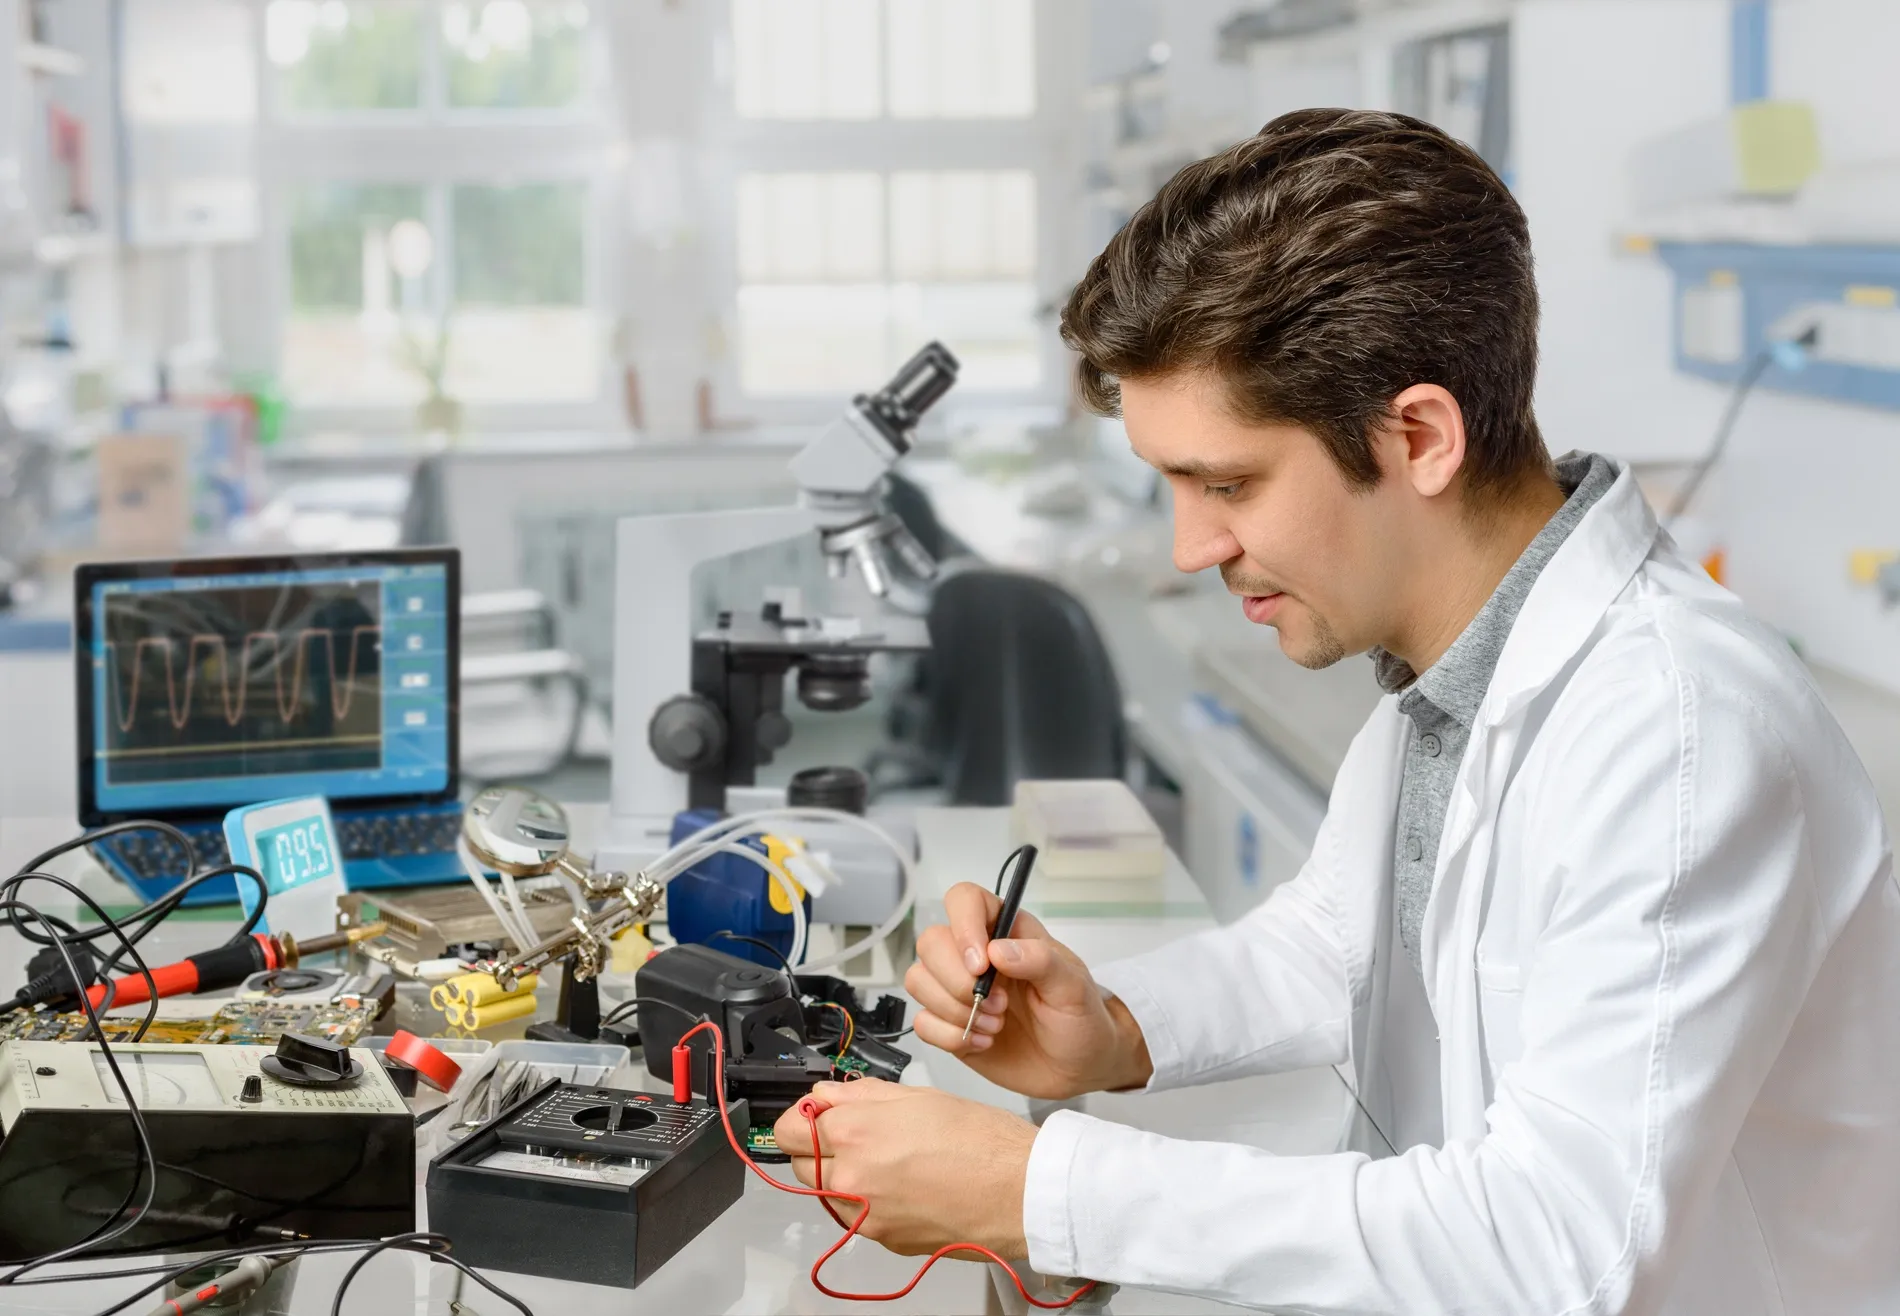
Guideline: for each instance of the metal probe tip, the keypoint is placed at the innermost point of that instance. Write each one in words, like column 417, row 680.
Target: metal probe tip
column 975, row 1003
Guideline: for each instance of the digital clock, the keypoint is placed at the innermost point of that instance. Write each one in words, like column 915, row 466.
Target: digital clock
column 293, row 844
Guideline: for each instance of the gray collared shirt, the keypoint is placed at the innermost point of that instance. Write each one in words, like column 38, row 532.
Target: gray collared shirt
column 1442, row 702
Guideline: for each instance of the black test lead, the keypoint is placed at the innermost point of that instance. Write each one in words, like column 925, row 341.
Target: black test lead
column 1021, row 862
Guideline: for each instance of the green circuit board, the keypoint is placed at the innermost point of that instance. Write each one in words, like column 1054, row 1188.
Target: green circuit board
column 255, row 1023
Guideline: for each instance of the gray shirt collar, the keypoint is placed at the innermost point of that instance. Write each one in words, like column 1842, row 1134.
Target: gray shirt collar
column 1456, row 683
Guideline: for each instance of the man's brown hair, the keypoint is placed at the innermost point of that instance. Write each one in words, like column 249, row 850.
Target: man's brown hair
column 1320, row 268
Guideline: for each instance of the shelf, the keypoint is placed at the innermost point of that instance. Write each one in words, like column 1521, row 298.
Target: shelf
column 51, row 60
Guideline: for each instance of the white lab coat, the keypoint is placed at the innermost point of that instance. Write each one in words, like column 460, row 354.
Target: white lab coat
column 1663, row 951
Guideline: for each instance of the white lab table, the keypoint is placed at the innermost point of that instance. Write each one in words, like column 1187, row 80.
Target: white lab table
column 756, row 1257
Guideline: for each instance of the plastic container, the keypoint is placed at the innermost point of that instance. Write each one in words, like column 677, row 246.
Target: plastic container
column 1094, row 831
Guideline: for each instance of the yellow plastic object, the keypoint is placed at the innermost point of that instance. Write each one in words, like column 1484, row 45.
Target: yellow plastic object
column 481, row 989
column 1777, row 146
column 478, row 1017
column 631, row 950
column 777, row 851
column 1864, row 564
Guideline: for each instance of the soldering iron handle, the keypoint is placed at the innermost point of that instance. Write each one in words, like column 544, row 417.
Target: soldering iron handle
column 226, row 966
column 1025, row 859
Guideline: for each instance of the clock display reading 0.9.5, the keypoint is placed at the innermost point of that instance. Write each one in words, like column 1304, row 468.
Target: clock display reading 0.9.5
column 295, row 853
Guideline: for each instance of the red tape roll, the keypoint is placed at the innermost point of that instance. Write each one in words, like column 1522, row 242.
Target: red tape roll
column 437, row 1069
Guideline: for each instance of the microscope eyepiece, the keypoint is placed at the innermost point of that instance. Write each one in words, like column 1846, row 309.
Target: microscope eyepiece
column 914, row 389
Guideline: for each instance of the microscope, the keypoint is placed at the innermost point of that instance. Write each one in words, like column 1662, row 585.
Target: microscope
column 696, row 714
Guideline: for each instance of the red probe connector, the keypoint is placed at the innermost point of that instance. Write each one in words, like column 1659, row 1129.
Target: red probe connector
column 682, row 1074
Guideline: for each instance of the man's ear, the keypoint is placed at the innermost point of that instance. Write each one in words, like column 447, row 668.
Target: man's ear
column 1429, row 428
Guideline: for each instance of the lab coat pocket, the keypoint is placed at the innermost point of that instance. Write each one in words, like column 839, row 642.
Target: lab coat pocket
column 1500, row 993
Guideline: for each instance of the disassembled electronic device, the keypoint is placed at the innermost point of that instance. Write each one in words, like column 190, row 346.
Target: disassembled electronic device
column 767, row 1063
column 307, row 1137
column 591, row 1184
column 209, row 683
column 432, row 923
column 343, row 1020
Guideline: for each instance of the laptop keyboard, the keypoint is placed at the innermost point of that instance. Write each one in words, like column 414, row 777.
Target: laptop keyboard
column 151, row 855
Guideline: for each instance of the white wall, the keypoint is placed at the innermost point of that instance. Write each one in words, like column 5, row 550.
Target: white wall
column 1807, row 482
column 1591, row 79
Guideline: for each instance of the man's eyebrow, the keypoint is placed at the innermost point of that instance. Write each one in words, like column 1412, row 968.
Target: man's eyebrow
column 1194, row 468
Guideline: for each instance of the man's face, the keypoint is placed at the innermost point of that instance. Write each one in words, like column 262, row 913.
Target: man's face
column 1310, row 556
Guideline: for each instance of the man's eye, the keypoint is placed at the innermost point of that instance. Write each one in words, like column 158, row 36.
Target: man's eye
column 1221, row 490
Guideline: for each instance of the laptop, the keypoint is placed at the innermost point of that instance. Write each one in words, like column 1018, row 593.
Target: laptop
column 209, row 683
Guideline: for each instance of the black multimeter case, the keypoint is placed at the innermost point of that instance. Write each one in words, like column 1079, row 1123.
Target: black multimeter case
column 592, row 1184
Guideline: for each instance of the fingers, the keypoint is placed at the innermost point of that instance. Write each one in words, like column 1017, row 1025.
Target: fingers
column 856, row 1092
column 1060, row 977
column 972, row 912
column 939, row 983
column 806, row 1169
column 793, row 1134
column 946, row 1035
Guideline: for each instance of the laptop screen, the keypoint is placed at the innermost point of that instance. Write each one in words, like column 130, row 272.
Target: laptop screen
column 214, row 683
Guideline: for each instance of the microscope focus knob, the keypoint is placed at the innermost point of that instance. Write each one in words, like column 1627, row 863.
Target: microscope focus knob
column 687, row 733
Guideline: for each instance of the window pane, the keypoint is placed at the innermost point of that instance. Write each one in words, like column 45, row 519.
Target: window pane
column 330, row 55
column 990, row 326
column 342, row 338
column 963, row 225
column 803, row 227
column 806, row 59
column 522, row 330
column 961, row 59
column 814, row 338
column 509, row 54
column 520, row 246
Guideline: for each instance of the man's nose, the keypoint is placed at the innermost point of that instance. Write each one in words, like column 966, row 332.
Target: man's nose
column 1200, row 540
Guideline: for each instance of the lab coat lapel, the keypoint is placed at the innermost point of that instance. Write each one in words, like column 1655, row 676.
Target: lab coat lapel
column 1365, row 859
column 1565, row 606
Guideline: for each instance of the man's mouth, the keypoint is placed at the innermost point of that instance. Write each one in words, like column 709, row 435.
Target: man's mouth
column 1261, row 608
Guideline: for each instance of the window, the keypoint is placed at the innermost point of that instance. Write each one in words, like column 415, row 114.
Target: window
column 843, row 275
column 870, row 59
column 369, row 278
column 430, row 176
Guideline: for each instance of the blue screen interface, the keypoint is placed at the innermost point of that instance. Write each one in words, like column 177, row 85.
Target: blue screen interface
column 215, row 691
column 295, row 853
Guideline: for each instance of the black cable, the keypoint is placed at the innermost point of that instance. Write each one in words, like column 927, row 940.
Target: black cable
column 768, row 948
column 1750, row 377
column 998, row 888
column 171, row 900
column 336, row 1306
column 100, row 834
column 147, row 1168
column 433, row 1246
column 620, row 1011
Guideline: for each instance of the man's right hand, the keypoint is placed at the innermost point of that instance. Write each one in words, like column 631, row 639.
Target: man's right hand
column 1046, row 1030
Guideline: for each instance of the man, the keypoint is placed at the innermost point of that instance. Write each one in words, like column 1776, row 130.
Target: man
column 1602, row 914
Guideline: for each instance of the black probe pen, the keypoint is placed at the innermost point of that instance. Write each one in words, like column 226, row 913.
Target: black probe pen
column 1022, row 861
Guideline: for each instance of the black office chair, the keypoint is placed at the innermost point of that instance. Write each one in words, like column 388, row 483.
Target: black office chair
column 1020, row 687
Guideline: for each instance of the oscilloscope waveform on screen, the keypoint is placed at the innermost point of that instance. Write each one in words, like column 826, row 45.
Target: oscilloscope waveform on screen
column 343, row 688
column 241, row 681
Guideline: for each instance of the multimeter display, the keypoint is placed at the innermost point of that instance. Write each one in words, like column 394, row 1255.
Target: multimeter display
column 295, row 852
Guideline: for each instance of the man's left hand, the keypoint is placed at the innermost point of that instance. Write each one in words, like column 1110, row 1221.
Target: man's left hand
column 936, row 1169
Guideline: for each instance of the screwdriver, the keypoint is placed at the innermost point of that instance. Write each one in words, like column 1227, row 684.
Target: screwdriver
column 227, row 966
column 1019, row 865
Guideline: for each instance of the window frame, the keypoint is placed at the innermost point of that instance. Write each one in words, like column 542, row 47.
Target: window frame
column 436, row 147
column 1046, row 143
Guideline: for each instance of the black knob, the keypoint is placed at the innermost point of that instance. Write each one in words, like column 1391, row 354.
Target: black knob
column 687, row 733
column 773, row 731
column 253, row 1092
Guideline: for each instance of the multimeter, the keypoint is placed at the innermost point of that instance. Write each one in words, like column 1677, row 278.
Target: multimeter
column 293, row 844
